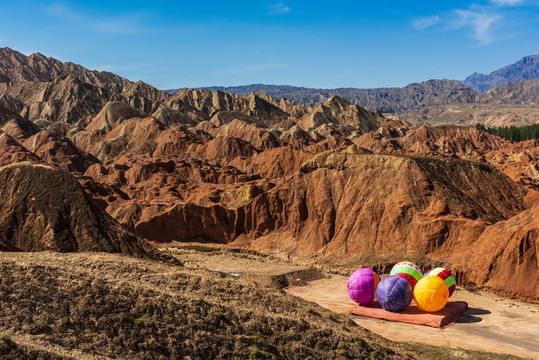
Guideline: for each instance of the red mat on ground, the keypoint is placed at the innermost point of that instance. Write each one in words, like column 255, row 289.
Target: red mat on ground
column 412, row 315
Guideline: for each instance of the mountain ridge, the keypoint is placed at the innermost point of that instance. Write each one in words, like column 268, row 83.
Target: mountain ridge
column 400, row 99
column 17, row 72
column 526, row 68
column 38, row 67
column 385, row 99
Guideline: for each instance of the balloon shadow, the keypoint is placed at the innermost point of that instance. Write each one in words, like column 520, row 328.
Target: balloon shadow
column 476, row 311
column 469, row 315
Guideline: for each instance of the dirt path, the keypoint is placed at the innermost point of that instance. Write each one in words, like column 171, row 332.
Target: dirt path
column 491, row 323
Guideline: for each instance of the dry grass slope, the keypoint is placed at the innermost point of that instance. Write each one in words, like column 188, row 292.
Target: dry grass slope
column 91, row 305
column 112, row 306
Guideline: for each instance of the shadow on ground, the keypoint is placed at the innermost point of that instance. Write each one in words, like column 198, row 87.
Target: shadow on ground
column 470, row 316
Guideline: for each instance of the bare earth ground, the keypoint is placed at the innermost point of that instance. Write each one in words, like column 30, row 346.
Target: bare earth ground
column 110, row 306
column 491, row 323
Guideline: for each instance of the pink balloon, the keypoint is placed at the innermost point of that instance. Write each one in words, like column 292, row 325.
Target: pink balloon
column 362, row 285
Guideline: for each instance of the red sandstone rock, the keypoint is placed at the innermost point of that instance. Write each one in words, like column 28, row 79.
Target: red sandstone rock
column 45, row 208
column 504, row 258
column 59, row 151
column 12, row 152
column 214, row 166
column 337, row 111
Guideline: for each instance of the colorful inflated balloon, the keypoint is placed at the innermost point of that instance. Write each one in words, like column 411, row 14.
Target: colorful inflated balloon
column 362, row 285
column 394, row 293
column 446, row 276
column 408, row 271
column 431, row 293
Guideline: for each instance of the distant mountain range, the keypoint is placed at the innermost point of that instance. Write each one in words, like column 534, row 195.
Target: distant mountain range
column 396, row 100
column 37, row 86
column 526, row 68
column 384, row 100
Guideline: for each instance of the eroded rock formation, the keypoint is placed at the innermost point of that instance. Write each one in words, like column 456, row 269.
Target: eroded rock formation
column 334, row 182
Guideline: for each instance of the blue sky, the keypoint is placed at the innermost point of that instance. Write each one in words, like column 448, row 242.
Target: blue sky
column 362, row 44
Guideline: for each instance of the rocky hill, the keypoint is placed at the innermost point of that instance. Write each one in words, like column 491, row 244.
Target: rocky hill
column 40, row 87
column 335, row 182
column 514, row 93
column 388, row 100
column 526, row 68
column 427, row 101
column 420, row 102
column 37, row 67
column 45, row 208
column 508, row 104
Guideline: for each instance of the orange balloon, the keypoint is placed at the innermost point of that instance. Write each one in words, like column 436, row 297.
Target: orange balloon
column 431, row 293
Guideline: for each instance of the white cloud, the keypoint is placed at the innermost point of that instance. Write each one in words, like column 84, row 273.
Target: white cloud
column 507, row 2
column 426, row 22
column 280, row 8
column 478, row 21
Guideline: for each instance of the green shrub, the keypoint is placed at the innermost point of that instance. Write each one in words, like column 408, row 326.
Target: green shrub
column 65, row 320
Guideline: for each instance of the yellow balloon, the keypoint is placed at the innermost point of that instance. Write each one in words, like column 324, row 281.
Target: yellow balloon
column 431, row 293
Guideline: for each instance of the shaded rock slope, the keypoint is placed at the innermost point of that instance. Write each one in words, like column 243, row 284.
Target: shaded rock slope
column 45, row 208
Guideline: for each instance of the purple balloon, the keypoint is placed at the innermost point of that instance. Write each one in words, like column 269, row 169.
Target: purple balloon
column 394, row 293
column 362, row 285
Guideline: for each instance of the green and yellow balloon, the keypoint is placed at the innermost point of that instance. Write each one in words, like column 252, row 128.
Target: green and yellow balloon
column 446, row 276
column 408, row 271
